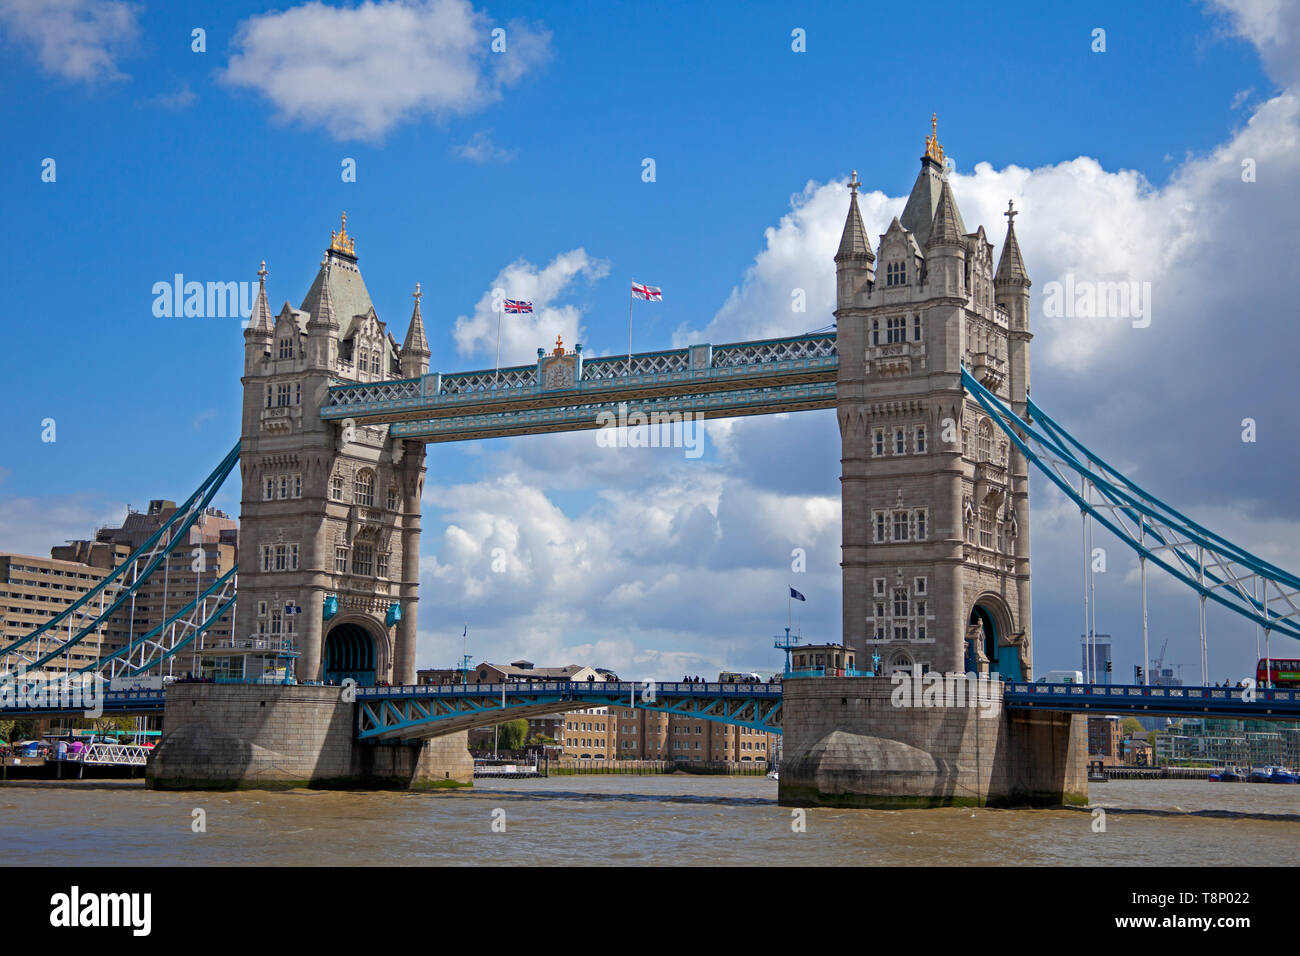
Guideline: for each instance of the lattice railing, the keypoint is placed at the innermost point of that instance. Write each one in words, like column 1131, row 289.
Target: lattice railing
column 656, row 363
column 375, row 392
column 465, row 383
column 758, row 353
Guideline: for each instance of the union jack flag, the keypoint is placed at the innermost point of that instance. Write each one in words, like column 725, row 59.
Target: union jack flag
column 647, row 292
column 518, row 306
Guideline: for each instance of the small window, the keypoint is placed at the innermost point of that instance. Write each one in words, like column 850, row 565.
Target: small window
column 882, row 530
column 284, row 486
column 336, row 487
column 875, row 331
column 268, row 492
column 916, row 328
column 900, row 442
column 363, row 488
column 896, row 330
column 900, row 526
column 918, row 443
column 878, row 447
column 392, row 499
column 341, row 560
column 297, row 486
column 920, row 524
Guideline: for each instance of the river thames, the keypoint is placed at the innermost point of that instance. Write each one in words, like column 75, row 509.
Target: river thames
column 667, row 820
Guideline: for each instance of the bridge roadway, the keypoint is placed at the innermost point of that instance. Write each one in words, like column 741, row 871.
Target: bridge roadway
column 427, row 710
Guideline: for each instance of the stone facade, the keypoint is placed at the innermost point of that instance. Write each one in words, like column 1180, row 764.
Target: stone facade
column 247, row 736
column 849, row 743
column 329, row 509
column 935, row 501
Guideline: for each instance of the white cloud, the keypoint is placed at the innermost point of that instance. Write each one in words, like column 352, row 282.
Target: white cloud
column 480, row 149
column 32, row 525
column 359, row 72
column 1273, row 28
column 78, row 40
column 477, row 334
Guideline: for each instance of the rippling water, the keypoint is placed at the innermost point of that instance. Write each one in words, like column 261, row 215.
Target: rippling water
column 679, row 820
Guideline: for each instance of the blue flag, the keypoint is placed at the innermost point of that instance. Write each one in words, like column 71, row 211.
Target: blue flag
column 796, row 595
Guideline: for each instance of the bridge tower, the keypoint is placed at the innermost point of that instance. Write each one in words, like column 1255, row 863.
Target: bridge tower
column 935, row 502
column 330, row 512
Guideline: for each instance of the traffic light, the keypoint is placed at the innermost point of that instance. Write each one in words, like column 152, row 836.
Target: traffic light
column 1108, row 667
column 1137, row 673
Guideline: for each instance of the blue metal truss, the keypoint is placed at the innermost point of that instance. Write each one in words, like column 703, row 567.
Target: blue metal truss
column 153, row 552
column 1206, row 562
column 389, row 713
column 743, row 378
column 1233, row 702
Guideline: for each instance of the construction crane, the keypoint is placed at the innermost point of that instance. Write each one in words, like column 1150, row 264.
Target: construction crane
column 1159, row 661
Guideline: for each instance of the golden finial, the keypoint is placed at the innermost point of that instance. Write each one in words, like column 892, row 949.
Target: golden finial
column 340, row 241
column 932, row 148
column 559, row 346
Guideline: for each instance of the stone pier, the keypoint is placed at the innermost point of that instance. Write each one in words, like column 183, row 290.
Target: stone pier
column 259, row 736
column 850, row 743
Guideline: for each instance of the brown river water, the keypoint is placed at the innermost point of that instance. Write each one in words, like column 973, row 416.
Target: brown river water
column 668, row 820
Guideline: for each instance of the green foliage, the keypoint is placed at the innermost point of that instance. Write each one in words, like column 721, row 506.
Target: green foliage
column 1130, row 725
column 512, row 734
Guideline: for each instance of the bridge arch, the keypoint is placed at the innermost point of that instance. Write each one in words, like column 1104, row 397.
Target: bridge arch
column 988, row 631
column 355, row 647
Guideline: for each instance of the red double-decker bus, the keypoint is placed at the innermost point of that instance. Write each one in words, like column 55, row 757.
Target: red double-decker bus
column 1277, row 672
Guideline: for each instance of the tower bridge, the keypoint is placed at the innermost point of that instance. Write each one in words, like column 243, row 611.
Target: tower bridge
column 928, row 371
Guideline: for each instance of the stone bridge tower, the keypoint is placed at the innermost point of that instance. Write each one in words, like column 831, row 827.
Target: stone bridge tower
column 935, row 500
column 330, row 514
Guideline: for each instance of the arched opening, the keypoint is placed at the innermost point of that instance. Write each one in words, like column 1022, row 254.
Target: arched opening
column 349, row 652
column 1002, row 659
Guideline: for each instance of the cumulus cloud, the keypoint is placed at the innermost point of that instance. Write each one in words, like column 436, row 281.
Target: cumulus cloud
column 481, row 150
column 76, row 40
column 359, row 72
column 477, row 334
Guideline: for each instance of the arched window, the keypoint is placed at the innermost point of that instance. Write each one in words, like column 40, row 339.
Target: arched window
column 363, row 488
column 985, row 441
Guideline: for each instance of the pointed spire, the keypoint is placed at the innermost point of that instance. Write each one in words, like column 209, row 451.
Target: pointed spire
column 946, row 228
column 260, row 319
column 324, row 317
column 853, row 243
column 1011, row 265
column 416, row 343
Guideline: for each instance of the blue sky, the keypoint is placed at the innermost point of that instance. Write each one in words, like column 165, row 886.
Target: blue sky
column 171, row 161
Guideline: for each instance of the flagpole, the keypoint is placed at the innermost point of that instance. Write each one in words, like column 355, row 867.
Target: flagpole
column 496, row 370
column 630, row 299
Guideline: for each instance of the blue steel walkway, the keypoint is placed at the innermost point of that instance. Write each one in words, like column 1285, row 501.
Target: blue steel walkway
column 1134, row 699
column 430, row 710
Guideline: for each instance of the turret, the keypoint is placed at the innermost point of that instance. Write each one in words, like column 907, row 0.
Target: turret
column 260, row 331
column 945, row 248
column 415, row 350
column 323, row 327
column 855, row 264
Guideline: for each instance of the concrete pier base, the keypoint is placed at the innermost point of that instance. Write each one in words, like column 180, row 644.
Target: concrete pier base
column 253, row 736
column 862, row 742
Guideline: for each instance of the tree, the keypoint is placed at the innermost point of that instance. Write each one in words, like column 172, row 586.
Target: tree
column 1130, row 726
column 512, row 734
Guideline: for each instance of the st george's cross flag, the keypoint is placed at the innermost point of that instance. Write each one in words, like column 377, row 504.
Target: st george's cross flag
column 647, row 292
column 518, row 306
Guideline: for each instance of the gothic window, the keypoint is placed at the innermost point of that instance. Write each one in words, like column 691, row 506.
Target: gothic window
column 268, row 491
column 900, row 603
column 882, row 531
column 268, row 396
column 875, row 331
column 965, row 442
column 266, row 557
column 293, row 557
column 297, row 393
column 916, row 328
column 277, row 620
column 986, row 528
column 900, row 526
column 341, row 560
column 282, row 395
column 363, row 559
column 392, row 499
column 284, row 486
column 374, row 363
column 363, row 488
column 381, row 564
column 896, row 330
column 336, row 487
column 880, row 588
column 297, row 486
column 900, row 442
column 985, row 438
column 920, row 524
column 896, row 274
column 918, row 440
column 878, row 442
column 286, row 349
column 281, row 557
